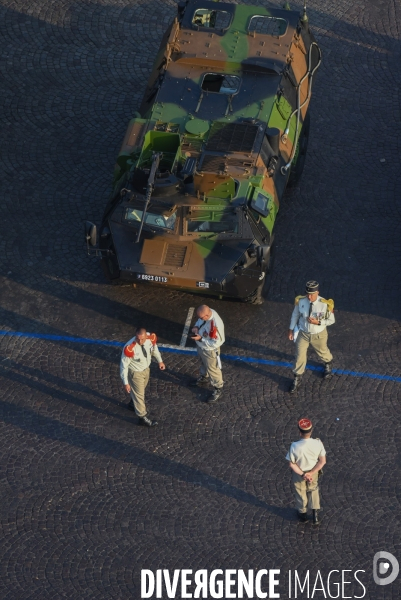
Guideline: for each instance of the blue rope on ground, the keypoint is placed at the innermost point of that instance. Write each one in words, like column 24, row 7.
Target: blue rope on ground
column 189, row 352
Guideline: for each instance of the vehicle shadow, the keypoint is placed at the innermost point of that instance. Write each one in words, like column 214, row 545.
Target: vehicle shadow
column 77, row 307
column 25, row 325
column 74, row 187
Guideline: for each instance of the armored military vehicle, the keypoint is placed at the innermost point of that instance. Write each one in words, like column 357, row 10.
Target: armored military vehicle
column 222, row 130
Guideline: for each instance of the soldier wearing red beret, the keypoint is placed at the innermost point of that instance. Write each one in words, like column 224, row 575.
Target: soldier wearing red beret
column 134, row 370
column 306, row 459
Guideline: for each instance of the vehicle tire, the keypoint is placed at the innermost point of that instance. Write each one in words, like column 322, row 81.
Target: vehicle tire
column 269, row 273
column 298, row 167
column 260, row 293
column 110, row 268
column 256, row 297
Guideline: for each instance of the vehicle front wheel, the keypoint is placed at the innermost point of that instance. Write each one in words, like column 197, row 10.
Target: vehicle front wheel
column 110, row 268
column 260, row 293
column 256, row 297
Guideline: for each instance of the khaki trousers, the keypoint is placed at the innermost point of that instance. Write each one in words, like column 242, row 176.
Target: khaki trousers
column 138, row 381
column 210, row 367
column 318, row 341
column 306, row 494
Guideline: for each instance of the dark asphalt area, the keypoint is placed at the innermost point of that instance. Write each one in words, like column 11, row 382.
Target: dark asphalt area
column 88, row 498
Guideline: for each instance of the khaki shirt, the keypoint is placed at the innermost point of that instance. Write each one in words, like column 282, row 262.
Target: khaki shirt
column 138, row 362
column 211, row 331
column 320, row 311
column 305, row 453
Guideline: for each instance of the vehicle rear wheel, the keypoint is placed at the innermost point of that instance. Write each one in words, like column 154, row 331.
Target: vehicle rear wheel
column 298, row 167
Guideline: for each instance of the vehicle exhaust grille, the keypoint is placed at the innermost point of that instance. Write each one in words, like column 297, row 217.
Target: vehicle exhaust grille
column 216, row 164
column 192, row 145
column 213, row 164
column 175, row 255
column 235, row 137
column 242, row 164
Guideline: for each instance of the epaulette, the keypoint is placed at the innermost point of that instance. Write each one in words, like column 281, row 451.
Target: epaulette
column 152, row 337
column 298, row 298
column 330, row 304
column 129, row 349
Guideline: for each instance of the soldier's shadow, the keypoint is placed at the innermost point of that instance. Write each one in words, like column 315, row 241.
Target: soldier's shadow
column 53, row 429
column 252, row 347
column 172, row 376
column 58, row 388
column 182, row 379
column 282, row 381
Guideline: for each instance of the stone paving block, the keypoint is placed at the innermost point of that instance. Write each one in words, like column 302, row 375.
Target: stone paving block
column 89, row 498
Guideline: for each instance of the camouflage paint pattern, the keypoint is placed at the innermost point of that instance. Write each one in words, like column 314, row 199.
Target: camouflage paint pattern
column 226, row 77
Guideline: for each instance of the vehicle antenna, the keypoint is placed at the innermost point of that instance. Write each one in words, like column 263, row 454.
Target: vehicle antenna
column 149, row 189
column 304, row 18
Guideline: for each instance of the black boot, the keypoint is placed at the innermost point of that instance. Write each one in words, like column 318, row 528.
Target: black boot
column 328, row 367
column 303, row 517
column 315, row 517
column 215, row 395
column 202, row 380
column 295, row 384
column 147, row 422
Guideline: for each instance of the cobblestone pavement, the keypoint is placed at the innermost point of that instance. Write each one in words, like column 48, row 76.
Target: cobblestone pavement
column 88, row 498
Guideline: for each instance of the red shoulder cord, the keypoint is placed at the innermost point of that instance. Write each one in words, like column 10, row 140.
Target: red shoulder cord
column 129, row 350
column 153, row 338
column 213, row 331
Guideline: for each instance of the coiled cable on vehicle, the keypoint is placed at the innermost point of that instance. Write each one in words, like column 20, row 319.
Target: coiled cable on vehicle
column 297, row 111
column 287, row 129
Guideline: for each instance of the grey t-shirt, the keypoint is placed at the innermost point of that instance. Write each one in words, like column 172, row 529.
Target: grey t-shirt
column 305, row 453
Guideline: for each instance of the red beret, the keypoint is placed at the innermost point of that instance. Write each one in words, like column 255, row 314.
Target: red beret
column 305, row 425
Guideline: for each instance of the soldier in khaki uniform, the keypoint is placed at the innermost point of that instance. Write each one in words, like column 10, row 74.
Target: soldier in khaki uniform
column 310, row 317
column 306, row 458
column 208, row 334
column 134, row 370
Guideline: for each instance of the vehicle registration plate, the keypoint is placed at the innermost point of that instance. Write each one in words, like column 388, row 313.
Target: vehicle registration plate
column 154, row 278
